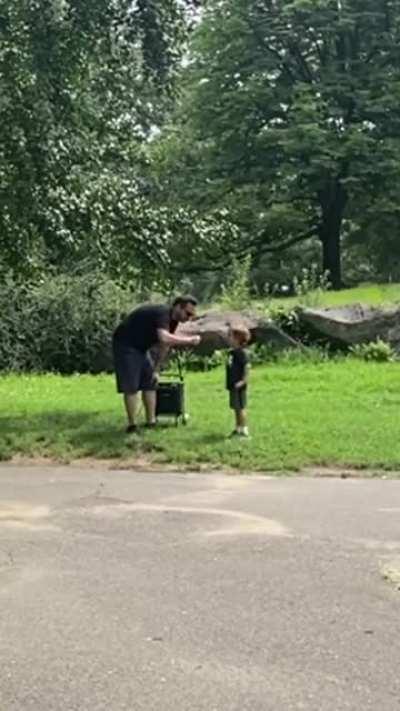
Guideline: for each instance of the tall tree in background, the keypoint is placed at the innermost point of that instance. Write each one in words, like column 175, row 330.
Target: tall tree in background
column 293, row 110
column 82, row 83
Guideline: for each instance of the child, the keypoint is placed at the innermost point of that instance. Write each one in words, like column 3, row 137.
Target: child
column 237, row 372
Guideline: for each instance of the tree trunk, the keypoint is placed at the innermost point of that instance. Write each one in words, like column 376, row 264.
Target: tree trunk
column 331, row 254
column 333, row 202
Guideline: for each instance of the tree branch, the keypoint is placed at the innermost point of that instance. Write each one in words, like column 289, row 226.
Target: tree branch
column 271, row 50
column 267, row 248
column 218, row 265
column 301, row 62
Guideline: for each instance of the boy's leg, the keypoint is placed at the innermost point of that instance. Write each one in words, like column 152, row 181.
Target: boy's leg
column 238, row 419
column 242, row 423
column 241, row 417
column 233, row 406
column 242, row 413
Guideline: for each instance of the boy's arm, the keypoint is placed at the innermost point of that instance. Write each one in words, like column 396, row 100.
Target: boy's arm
column 245, row 379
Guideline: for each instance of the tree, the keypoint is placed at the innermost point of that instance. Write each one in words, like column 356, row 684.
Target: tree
column 82, row 83
column 293, row 109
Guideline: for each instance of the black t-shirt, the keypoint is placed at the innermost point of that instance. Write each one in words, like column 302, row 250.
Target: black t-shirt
column 236, row 367
column 139, row 329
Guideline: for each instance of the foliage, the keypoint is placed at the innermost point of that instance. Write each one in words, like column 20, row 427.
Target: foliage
column 82, row 85
column 311, row 286
column 236, row 291
column 262, row 354
column 193, row 362
column 63, row 324
column 289, row 121
column 377, row 351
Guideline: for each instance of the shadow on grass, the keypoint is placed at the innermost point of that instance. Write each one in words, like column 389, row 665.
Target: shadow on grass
column 69, row 434
column 64, row 433
column 212, row 438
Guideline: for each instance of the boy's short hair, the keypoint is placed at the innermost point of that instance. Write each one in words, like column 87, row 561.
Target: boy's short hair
column 242, row 334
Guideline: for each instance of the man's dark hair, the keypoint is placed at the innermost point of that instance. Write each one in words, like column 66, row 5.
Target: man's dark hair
column 185, row 299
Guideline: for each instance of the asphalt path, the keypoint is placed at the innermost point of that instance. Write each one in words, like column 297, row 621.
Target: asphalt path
column 179, row 592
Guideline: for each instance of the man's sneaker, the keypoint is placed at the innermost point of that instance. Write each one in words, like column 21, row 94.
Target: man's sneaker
column 131, row 429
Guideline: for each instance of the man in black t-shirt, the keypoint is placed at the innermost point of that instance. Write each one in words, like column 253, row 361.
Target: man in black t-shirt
column 148, row 326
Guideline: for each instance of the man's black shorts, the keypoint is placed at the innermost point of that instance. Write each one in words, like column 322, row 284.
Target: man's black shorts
column 134, row 370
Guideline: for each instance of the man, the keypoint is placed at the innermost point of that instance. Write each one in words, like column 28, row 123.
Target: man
column 146, row 327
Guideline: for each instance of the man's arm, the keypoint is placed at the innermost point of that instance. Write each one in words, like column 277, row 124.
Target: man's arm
column 160, row 356
column 169, row 339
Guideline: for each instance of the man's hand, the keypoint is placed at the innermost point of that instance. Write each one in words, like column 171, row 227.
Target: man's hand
column 240, row 384
column 195, row 340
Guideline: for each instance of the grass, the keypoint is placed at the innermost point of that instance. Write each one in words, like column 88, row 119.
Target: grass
column 369, row 294
column 339, row 413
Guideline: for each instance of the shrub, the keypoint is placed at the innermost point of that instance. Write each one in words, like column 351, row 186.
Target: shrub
column 62, row 324
column 378, row 351
column 261, row 354
column 311, row 286
column 236, row 293
column 193, row 362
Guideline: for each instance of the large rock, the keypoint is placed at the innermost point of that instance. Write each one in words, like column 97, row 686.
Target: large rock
column 354, row 324
column 213, row 328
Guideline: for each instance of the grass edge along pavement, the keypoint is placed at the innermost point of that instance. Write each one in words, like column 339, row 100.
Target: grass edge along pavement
column 343, row 413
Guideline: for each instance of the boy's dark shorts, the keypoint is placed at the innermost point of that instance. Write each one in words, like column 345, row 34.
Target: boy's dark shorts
column 134, row 370
column 238, row 398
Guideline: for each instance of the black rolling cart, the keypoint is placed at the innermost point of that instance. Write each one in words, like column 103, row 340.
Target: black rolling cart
column 171, row 395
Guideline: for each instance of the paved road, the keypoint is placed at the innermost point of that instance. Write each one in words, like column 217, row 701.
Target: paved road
column 125, row 591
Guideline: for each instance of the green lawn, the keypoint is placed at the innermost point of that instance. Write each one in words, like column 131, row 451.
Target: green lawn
column 368, row 294
column 344, row 413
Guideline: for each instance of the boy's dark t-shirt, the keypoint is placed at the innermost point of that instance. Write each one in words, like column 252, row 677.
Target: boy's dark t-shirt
column 236, row 367
column 139, row 329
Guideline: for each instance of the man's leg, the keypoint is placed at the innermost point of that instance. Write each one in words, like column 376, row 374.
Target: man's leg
column 149, row 401
column 128, row 363
column 148, row 384
column 131, row 407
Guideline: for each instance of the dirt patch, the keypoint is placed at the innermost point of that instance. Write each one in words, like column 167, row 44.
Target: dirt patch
column 239, row 523
column 391, row 572
column 348, row 473
column 17, row 514
column 140, row 463
column 143, row 463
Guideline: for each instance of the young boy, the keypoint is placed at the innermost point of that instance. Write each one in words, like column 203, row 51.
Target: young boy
column 237, row 373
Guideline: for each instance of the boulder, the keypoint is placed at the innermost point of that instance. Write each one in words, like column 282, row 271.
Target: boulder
column 213, row 328
column 354, row 324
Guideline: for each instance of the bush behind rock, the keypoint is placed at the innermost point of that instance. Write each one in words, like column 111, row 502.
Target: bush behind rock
column 63, row 324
